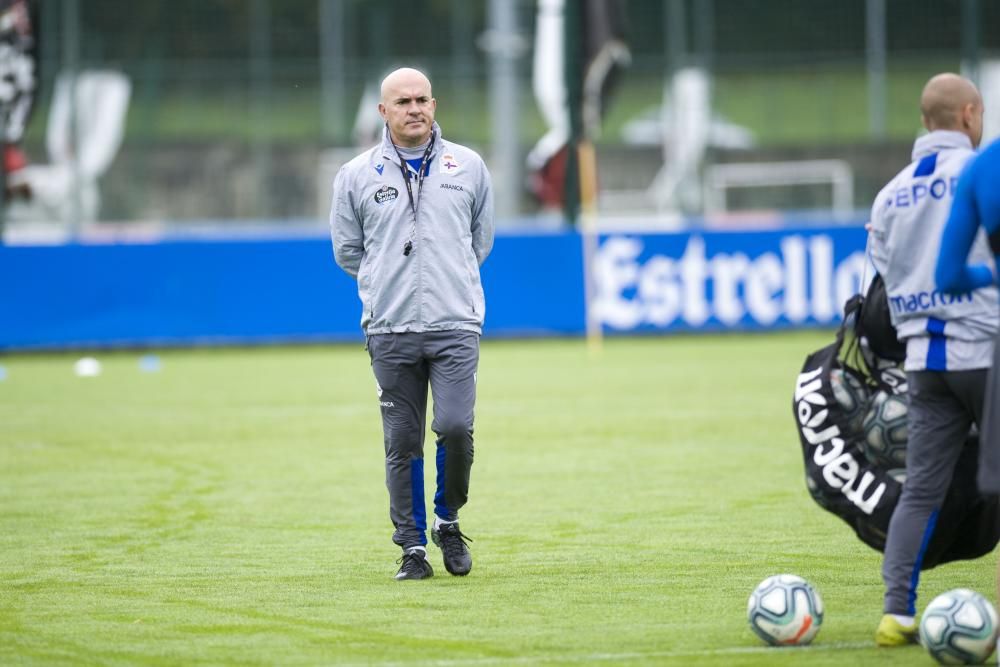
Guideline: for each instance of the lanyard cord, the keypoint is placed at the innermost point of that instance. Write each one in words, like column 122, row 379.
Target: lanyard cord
column 414, row 201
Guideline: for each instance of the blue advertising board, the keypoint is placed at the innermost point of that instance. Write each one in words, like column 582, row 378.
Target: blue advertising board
column 186, row 292
column 713, row 281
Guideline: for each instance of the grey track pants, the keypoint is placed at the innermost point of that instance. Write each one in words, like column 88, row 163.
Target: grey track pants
column 943, row 406
column 989, row 441
column 404, row 364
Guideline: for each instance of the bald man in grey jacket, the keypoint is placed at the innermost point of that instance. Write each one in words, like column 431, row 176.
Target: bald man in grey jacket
column 412, row 221
column 949, row 337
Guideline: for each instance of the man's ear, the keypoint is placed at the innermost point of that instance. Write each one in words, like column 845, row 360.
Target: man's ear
column 381, row 110
column 968, row 113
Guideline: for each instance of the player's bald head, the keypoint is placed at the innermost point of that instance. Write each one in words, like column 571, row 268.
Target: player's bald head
column 945, row 99
column 404, row 78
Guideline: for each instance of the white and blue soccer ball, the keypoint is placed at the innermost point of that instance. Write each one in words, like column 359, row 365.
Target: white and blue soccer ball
column 785, row 610
column 959, row 628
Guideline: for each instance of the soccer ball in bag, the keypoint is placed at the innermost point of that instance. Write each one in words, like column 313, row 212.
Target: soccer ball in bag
column 785, row 610
column 884, row 429
column 959, row 628
column 852, row 395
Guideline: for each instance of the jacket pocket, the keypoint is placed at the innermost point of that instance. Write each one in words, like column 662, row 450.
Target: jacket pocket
column 367, row 292
column 474, row 290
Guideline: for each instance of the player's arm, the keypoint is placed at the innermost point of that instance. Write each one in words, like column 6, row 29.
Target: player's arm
column 482, row 216
column 345, row 226
column 952, row 274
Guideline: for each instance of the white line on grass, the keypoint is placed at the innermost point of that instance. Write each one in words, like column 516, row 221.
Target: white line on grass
column 612, row 657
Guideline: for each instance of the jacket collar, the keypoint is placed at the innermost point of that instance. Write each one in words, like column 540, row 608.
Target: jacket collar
column 939, row 140
column 389, row 152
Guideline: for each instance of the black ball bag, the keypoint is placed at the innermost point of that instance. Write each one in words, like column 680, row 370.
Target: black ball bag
column 842, row 480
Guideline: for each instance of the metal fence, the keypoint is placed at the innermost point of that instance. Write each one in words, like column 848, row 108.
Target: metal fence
column 235, row 106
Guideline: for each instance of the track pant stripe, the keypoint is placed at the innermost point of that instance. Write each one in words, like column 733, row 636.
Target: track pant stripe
column 911, row 595
column 417, row 494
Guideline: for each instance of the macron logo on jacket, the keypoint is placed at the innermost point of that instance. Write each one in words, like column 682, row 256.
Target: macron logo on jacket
column 912, row 303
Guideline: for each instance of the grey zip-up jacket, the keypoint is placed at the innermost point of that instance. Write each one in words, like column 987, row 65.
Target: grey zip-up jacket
column 942, row 331
column 436, row 287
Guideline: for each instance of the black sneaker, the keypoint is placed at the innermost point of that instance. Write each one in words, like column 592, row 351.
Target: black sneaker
column 454, row 548
column 413, row 564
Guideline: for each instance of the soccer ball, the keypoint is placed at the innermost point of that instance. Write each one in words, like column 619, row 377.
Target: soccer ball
column 852, row 395
column 884, row 428
column 785, row 610
column 959, row 628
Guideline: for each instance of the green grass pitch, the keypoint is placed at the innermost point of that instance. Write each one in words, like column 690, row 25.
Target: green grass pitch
column 231, row 509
